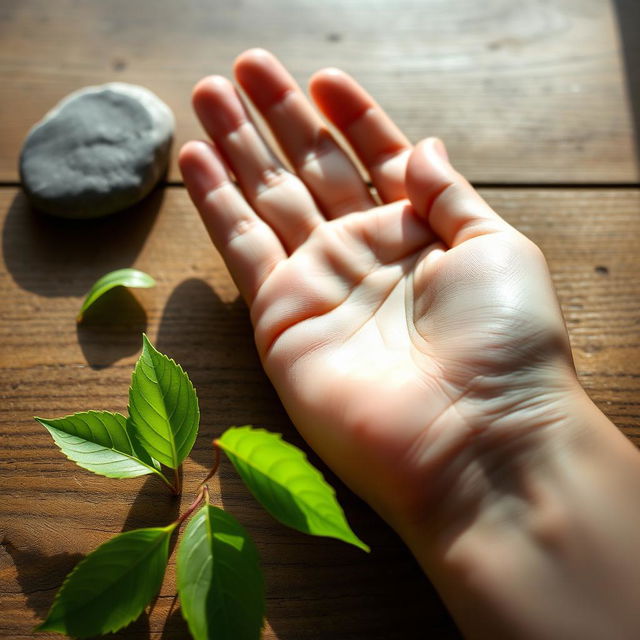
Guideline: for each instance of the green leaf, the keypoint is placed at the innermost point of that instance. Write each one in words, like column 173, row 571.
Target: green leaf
column 101, row 442
column 287, row 485
column 118, row 278
column 110, row 587
column 219, row 579
column 163, row 406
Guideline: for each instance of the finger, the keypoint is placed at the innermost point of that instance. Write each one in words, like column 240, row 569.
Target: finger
column 314, row 154
column 247, row 244
column 274, row 193
column 379, row 144
column 453, row 208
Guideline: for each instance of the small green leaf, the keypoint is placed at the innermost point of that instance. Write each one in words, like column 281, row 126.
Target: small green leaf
column 101, row 442
column 163, row 406
column 118, row 278
column 111, row 586
column 219, row 579
column 287, row 485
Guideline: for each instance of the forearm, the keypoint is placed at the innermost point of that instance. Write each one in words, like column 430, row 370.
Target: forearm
column 551, row 553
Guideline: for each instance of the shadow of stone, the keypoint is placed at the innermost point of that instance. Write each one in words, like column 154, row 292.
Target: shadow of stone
column 112, row 328
column 628, row 12
column 56, row 257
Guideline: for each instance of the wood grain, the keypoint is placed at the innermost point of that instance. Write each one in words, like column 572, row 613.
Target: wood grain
column 52, row 512
column 522, row 90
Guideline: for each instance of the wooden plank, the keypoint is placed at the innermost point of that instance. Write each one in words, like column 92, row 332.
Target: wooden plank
column 52, row 512
column 528, row 91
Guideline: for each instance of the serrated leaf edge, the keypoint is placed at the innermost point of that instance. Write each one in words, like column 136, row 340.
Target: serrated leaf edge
column 152, row 469
column 169, row 529
column 356, row 542
column 147, row 343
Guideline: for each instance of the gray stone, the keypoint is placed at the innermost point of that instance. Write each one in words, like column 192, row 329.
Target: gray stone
column 99, row 150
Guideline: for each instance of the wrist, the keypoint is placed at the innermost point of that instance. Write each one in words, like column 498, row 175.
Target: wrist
column 505, row 431
column 536, row 526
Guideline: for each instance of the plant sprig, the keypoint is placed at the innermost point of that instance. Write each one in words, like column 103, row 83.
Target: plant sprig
column 119, row 278
column 163, row 407
column 219, row 580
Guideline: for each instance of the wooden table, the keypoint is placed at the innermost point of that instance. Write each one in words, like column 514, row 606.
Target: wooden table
column 539, row 103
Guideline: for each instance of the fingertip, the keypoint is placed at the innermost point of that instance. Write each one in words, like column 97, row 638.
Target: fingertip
column 428, row 173
column 339, row 96
column 263, row 77
column 322, row 83
column 202, row 169
column 208, row 87
column 455, row 210
column 186, row 152
column 326, row 76
column 433, row 147
column 253, row 57
column 440, row 148
column 191, row 153
column 217, row 105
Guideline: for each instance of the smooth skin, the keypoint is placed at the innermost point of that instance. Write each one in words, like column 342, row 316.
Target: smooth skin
column 416, row 341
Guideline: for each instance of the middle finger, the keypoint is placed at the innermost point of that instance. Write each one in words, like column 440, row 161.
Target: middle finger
column 317, row 158
column 277, row 196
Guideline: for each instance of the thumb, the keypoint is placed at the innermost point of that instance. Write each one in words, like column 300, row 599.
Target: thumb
column 454, row 209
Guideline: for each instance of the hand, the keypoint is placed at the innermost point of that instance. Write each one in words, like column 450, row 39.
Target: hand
column 417, row 344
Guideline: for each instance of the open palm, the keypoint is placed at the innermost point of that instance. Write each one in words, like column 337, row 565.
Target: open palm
column 387, row 329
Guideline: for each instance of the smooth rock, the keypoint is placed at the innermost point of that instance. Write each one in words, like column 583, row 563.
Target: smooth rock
column 101, row 149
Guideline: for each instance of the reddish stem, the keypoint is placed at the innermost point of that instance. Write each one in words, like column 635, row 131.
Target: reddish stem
column 192, row 507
